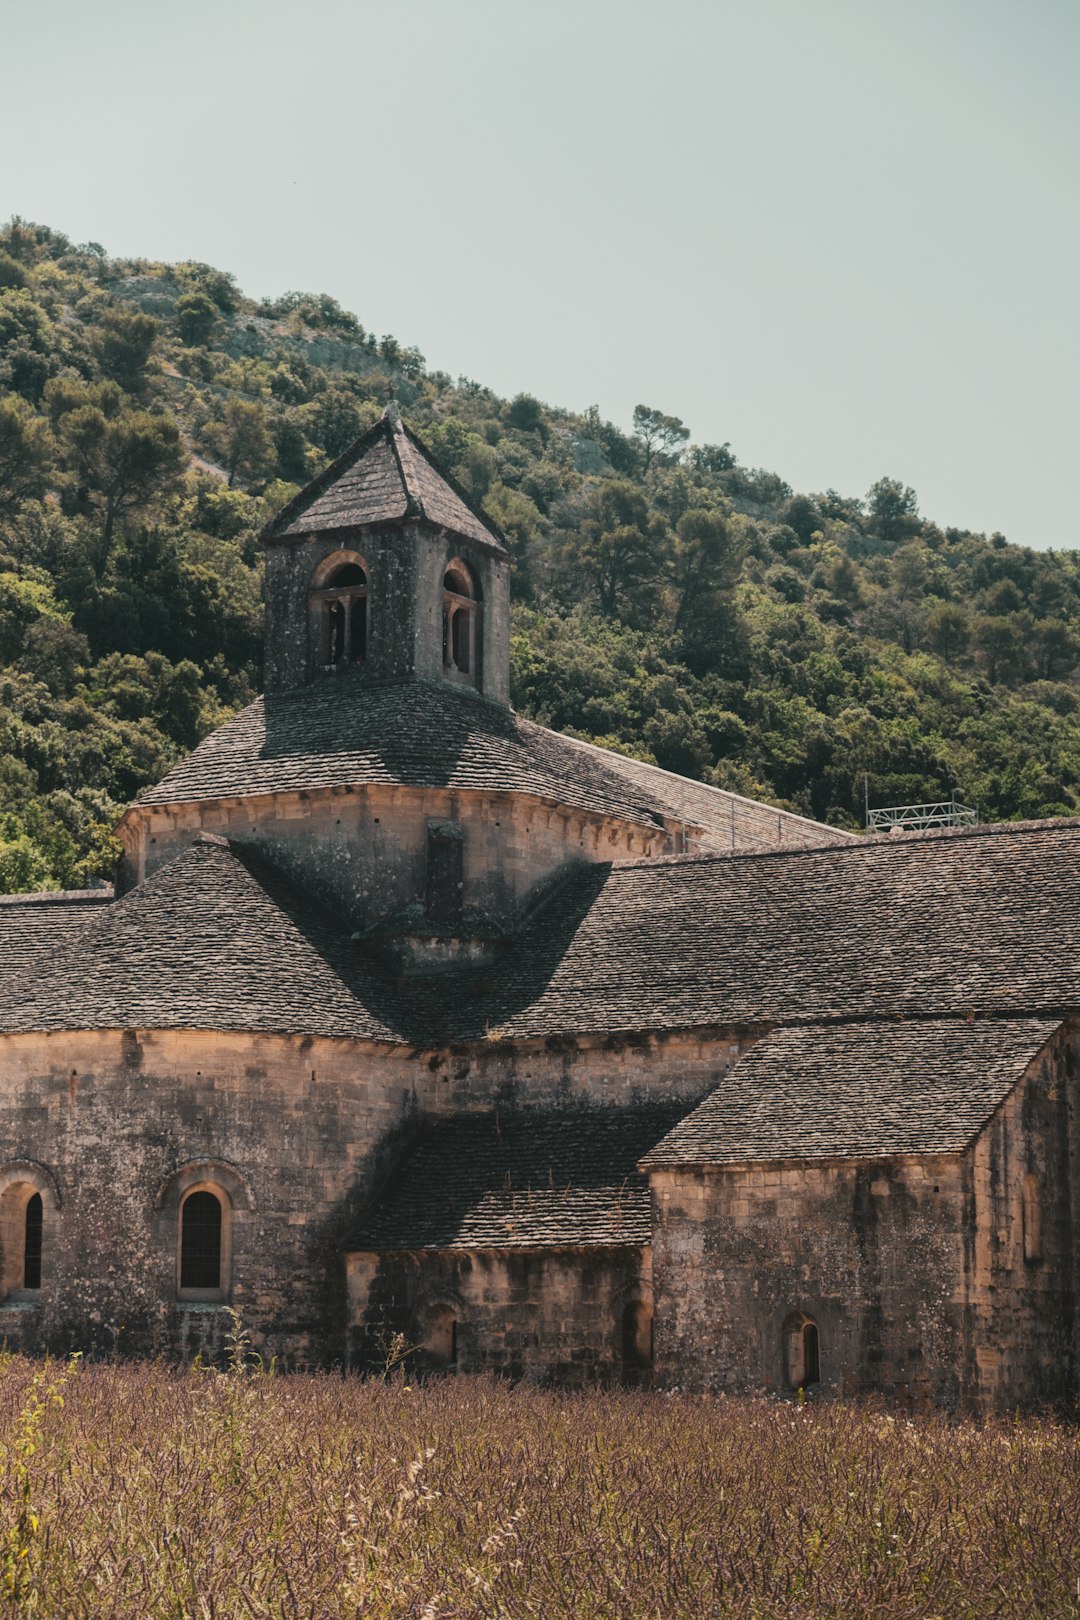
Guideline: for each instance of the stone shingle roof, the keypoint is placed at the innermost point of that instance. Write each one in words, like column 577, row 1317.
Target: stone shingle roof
column 986, row 919
column 386, row 477
column 857, row 1091
column 210, row 941
column 34, row 927
column 515, row 1180
column 983, row 922
column 343, row 731
column 731, row 822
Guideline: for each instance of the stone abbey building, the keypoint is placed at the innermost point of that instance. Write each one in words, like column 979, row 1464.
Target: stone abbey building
column 409, row 1016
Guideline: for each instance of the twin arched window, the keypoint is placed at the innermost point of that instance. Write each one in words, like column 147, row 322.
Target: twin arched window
column 461, row 622
column 340, row 597
column 343, row 599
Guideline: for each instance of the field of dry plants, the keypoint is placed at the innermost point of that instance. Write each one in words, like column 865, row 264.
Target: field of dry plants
column 143, row 1492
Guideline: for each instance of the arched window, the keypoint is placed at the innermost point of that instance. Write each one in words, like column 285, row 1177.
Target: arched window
column 461, row 623
column 637, row 1342
column 201, row 1212
column 802, row 1351
column 343, row 599
column 1032, row 1212
column 33, row 1231
column 203, row 1257
column 28, row 1202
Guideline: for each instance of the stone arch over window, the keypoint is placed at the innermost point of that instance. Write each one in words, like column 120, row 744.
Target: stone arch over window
column 29, row 1203
column 198, row 1206
column 1032, row 1216
column 802, row 1351
column 461, row 623
column 339, row 596
column 637, row 1341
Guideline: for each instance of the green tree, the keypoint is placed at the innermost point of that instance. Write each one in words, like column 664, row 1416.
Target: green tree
column 893, row 509
column 122, row 463
column 622, row 551
column 25, row 453
column 659, row 434
column 123, row 340
column 196, row 318
column 242, row 439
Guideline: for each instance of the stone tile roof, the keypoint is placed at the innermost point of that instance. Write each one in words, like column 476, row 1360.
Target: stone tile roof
column 35, row 927
column 732, row 823
column 343, row 731
column 983, row 922
column 986, row 919
column 387, row 476
column 513, row 1180
column 210, row 941
column 857, row 1091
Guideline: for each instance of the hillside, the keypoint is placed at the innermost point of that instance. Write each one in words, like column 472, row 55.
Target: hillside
column 669, row 601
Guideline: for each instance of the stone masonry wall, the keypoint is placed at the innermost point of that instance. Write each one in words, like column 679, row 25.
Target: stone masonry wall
column 921, row 1273
column 363, row 851
column 405, row 568
column 1020, row 1255
column 546, row 1314
column 307, row 1131
column 872, row 1251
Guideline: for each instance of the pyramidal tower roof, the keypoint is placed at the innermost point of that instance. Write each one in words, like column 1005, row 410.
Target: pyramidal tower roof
column 387, row 476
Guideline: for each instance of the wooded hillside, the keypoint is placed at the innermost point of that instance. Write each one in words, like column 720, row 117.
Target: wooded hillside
column 669, row 601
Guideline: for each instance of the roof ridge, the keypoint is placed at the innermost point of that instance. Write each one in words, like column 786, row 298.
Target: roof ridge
column 862, row 841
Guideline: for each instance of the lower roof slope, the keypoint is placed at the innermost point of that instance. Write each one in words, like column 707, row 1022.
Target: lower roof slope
column 857, row 1091
column 513, row 1180
column 986, row 921
column 35, row 927
column 211, row 941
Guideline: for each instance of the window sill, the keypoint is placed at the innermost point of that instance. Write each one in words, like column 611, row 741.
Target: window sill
column 21, row 1300
column 202, row 1305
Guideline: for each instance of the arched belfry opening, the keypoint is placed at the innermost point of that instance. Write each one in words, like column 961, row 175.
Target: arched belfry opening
column 461, row 623
column 341, row 599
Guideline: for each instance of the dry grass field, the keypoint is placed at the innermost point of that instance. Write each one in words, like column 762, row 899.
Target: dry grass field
column 150, row 1492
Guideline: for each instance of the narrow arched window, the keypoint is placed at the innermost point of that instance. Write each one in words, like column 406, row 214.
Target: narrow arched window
column 343, row 599
column 461, row 623
column 802, row 1351
column 1032, row 1213
column 200, row 1242
column 33, row 1231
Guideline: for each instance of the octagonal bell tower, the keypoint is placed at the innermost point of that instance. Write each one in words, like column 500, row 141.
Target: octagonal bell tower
column 384, row 568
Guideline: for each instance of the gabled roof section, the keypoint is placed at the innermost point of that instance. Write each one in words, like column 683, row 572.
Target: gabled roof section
column 982, row 920
column 211, row 941
column 563, row 1178
column 857, row 1091
column 387, row 476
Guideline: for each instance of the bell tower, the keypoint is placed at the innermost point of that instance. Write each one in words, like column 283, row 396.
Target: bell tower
column 383, row 568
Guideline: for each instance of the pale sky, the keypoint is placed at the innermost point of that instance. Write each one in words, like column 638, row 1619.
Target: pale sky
column 842, row 234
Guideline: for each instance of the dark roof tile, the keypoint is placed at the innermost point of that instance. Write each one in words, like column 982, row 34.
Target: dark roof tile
column 513, row 1180
column 387, row 476
column 857, row 1091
